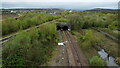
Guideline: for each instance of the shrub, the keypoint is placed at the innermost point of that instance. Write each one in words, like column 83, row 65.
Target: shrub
column 84, row 20
column 88, row 40
column 63, row 20
column 28, row 20
column 112, row 26
column 97, row 61
column 30, row 48
column 14, row 60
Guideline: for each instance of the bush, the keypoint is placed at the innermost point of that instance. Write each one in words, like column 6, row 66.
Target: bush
column 63, row 20
column 15, row 50
column 88, row 40
column 11, row 25
column 113, row 25
column 84, row 20
column 30, row 48
column 97, row 61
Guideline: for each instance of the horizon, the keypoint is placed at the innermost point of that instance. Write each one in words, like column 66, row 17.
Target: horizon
column 55, row 8
column 60, row 5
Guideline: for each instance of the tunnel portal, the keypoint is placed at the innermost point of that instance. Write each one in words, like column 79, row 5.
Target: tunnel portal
column 63, row 26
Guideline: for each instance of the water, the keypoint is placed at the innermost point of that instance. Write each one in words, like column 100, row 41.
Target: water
column 110, row 60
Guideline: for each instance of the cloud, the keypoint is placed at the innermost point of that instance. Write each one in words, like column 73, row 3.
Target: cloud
column 60, row 0
column 65, row 5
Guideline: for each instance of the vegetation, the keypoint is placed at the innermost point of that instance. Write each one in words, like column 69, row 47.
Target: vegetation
column 97, row 61
column 114, row 32
column 88, row 36
column 35, row 48
column 88, row 40
column 84, row 20
column 8, row 15
column 63, row 20
column 30, row 19
column 109, row 45
column 32, row 48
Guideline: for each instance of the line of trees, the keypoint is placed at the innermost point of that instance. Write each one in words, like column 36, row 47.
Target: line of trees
column 28, row 20
column 32, row 48
column 84, row 20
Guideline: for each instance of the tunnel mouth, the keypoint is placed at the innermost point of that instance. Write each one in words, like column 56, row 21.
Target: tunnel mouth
column 58, row 28
column 65, row 28
column 62, row 28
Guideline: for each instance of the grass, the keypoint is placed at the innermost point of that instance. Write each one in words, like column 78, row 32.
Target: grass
column 97, row 61
column 0, row 56
column 114, row 33
column 88, row 53
column 109, row 45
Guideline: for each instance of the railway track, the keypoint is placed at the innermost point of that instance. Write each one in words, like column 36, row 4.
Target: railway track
column 75, row 55
column 71, row 60
column 3, row 40
column 108, row 35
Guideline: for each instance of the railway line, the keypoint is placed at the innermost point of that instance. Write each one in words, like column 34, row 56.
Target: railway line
column 107, row 34
column 75, row 55
column 5, row 39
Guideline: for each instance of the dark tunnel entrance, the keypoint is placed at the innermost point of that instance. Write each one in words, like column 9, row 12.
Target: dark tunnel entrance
column 63, row 26
column 58, row 28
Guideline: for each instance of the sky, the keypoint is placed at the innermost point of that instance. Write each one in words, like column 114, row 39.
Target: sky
column 65, row 4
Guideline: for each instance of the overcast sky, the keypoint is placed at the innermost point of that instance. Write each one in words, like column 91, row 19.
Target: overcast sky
column 60, row 0
column 66, row 4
